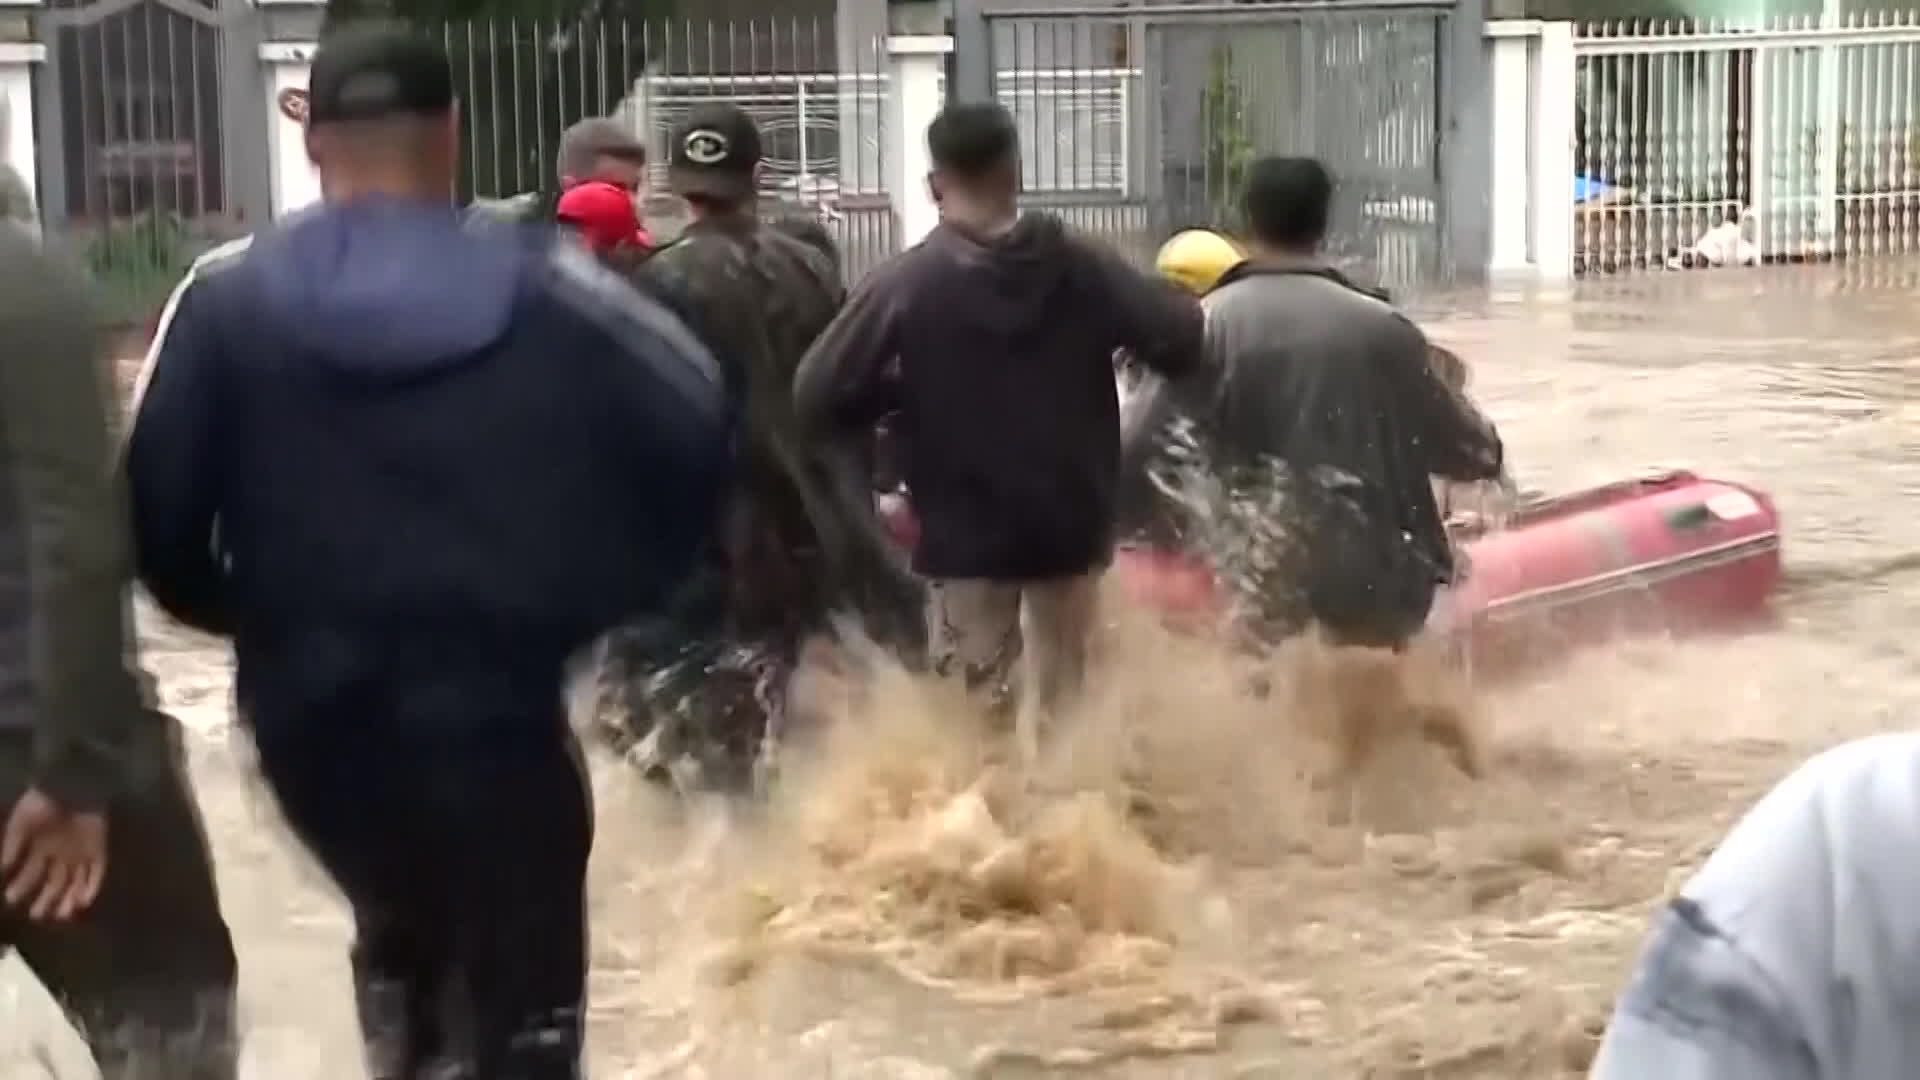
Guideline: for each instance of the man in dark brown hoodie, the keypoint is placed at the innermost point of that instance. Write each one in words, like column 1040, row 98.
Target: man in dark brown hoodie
column 994, row 339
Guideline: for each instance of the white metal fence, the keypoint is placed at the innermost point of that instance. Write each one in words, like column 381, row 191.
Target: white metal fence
column 1074, row 130
column 1139, row 121
column 821, row 132
column 1708, row 144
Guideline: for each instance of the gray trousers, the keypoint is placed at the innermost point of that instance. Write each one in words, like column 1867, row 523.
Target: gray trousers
column 1003, row 635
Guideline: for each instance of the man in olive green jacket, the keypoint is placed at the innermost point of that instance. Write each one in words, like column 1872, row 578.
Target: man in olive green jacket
column 106, row 887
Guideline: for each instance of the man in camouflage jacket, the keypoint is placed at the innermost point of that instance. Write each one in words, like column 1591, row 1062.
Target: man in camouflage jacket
column 801, row 540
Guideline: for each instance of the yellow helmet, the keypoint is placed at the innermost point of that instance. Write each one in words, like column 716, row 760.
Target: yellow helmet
column 1197, row 259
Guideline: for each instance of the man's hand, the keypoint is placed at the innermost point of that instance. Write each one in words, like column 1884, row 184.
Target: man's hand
column 51, row 861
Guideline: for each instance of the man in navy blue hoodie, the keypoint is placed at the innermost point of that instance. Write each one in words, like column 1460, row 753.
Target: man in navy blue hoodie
column 409, row 495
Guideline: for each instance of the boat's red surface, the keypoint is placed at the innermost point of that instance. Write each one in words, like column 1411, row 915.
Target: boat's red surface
column 1667, row 550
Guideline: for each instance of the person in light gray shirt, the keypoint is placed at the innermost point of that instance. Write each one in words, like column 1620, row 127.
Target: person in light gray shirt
column 1794, row 953
column 1316, row 384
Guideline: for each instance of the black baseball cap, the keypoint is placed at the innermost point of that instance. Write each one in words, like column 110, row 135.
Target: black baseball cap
column 714, row 152
column 377, row 69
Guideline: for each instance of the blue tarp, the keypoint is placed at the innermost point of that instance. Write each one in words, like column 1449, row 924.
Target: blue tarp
column 1587, row 189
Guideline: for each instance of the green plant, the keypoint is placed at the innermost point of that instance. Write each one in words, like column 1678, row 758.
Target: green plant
column 144, row 244
column 1229, row 137
column 136, row 261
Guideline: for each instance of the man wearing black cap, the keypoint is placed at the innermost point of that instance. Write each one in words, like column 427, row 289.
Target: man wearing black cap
column 792, row 551
column 410, row 497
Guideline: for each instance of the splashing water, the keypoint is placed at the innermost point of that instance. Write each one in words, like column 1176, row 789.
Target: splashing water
column 1465, row 929
column 905, row 838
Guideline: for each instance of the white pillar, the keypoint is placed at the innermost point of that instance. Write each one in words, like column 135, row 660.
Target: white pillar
column 1552, row 149
column 1532, row 73
column 917, row 67
column 285, row 66
column 1511, row 43
column 1760, row 148
column 17, row 143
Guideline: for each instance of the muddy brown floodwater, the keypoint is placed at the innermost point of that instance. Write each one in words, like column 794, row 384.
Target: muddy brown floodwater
column 1164, row 898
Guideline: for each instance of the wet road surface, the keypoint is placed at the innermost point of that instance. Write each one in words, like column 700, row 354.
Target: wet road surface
column 1489, row 946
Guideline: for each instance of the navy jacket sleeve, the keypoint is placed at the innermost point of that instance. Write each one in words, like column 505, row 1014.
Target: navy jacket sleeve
column 172, row 467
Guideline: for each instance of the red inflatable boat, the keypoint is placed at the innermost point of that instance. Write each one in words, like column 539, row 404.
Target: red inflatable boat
column 1668, row 550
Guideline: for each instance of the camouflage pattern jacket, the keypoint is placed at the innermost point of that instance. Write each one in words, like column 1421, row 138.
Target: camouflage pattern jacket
column 802, row 539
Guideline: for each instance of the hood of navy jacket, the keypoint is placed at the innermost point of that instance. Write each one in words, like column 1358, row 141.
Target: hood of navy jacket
column 1010, row 280
column 346, row 291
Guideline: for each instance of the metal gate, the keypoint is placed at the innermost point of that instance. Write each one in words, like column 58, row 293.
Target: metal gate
column 1137, row 122
column 818, row 96
column 132, row 107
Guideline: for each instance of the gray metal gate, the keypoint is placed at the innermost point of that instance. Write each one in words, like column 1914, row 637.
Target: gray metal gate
column 1136, row 122
column 817, row 95
column 134, row 108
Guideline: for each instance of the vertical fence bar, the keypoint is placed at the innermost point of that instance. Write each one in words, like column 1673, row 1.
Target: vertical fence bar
column 1586, row 149
column 1614, row 167
column 1877, row 135
column 1683, row 79
column 199, row 124
column 1899, row 181
column 163, row 154
column 1760, row 151
column 1791, row 145
column 52, row 104
column 494, row 115
column 241, row 155
column 973, row 53
column 1853, row 200
column 1827, row 139
column 513, row 78
column 1869, row 175
column 1467, row 144
column 173, row 127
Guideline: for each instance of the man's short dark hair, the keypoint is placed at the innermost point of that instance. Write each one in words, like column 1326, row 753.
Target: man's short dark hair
column 973, row 140
column 1288, row 200
column 587, row 141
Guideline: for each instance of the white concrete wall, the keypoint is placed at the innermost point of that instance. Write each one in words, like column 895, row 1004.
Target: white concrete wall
column 1532, row 103
column 17, row 144
column 916, row 91
column 284, row 67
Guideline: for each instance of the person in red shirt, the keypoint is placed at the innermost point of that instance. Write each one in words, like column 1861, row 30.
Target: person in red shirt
column 604, row 215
